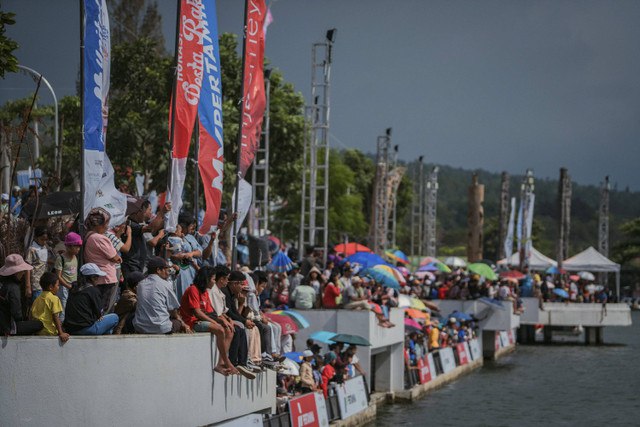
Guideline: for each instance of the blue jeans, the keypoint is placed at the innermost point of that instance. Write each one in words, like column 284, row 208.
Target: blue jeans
column 102, row 327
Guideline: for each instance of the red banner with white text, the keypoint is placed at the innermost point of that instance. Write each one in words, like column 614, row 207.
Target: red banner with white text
column 253, row 98
column 188, row 84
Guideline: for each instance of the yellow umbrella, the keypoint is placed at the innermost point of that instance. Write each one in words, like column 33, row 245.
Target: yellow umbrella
column 417, row 304
column 399, row 277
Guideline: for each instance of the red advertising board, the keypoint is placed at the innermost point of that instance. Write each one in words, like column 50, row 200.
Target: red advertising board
column 512, row 340
column 463, row 356
column 497, row 341
column 424, row 370
column 304, row 411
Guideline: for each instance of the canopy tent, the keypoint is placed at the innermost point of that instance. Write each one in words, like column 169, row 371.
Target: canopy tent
column 537, row 260
column 592, row 260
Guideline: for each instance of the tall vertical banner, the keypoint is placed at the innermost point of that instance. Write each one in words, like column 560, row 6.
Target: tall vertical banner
column 528, row 244
column 253, row 97
column 519, row 225
column 99, row 187
column 508, row 241
column 211, row 155
column 189, row 69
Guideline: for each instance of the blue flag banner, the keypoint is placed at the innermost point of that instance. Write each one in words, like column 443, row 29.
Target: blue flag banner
column 99, row 187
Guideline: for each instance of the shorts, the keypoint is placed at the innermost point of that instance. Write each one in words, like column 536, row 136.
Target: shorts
column 201, row 326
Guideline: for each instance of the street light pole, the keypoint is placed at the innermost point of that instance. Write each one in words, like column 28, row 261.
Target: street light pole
column 57, row 164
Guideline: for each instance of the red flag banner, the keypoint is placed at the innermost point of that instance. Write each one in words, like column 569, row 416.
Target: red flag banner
column 187, row 96
column 253, row 97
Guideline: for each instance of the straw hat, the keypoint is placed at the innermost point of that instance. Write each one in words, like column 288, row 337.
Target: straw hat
column 13, row 264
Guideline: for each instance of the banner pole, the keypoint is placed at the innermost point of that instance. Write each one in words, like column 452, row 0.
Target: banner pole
column 234, row 234
column 173, row 101
column 81, row 213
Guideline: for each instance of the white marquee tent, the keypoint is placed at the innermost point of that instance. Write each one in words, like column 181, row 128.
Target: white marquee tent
column 537, row 260
column 592, row 260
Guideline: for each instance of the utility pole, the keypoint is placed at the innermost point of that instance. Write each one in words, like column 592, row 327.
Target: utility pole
column 314, row 215
column 603, row 225
column 475, row 220
column 380, row 223
column 394, row 198
column 417, row 208
column 503, row 218
column 430, row 213
column 564, row 210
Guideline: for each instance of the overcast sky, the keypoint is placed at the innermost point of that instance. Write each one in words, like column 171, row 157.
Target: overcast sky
column 497, row 85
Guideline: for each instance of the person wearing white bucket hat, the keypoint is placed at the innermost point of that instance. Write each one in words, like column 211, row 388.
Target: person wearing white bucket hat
column 11, row 319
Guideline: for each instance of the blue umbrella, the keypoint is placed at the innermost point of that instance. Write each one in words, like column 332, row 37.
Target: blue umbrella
column 365, row 259
column 296, row 356
column 555, row 270
column 280, row 263
column 460, row 316
column 381, row 276
column 323, row 337
column 561, row 293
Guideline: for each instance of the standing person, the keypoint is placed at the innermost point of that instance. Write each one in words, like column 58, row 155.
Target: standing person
column 115, row 235
column 295, row 278
column 328, row 372
column 47, row 307
column 38, row 257
column 304, row 297
column 84, row 314
column 157, row 307
column 190, row 259
column 66, row 267
column 136, row 258
column 98, row 250
column 307, row 383
column 12, row 274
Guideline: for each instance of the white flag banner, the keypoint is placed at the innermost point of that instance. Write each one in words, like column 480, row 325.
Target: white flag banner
column 508, row 241
column 244, row 202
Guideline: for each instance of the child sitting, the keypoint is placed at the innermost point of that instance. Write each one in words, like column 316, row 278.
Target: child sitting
column 47, row 307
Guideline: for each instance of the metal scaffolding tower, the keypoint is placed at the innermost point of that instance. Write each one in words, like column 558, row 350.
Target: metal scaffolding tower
column 564, row 210
column 430, row 213
column 526, row 200
column 314, row 216
column 603, row 224
column 380, row 222
column 259, row 213
column 394, row 198
column 503, row 218
column 417, row 209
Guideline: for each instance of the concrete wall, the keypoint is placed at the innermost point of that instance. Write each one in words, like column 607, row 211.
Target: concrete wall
column 574, row 314
column 142, row 380
column 387, row 343
column 490, row 319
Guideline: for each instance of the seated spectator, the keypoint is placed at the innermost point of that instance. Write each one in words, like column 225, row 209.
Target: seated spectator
column 157, row 307
column 84, row 314
column 303, row 296
column 47, row 307
column 331, row 293
column 12, row 275
column 126, row 306
column 66, row 266
column 197, row 311
column 38, row 257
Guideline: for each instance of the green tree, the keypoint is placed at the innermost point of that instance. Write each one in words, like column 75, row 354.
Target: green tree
column 8, row 61
column 629, row 247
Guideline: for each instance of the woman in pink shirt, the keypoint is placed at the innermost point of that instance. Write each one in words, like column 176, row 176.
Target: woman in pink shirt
column 99, row 250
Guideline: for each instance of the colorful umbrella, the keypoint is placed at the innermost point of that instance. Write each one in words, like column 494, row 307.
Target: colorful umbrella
column 417, row 304
column 428, row 260
column 574, row 277
column 350, row 248
column 561, row 293
column 416, row 314
column 382, row 276
column 286, row 322
column 290, row 368
column 435, row 266
column 280, row 263
column 404, row 270
column 412, row 323
column 404, row 301
column 555, row 270
column 274, row 244
column 296, row 356
column 483, row 270
column 397, row 256
column 455, row 262
column 298, row 318
column 351, row 339
column 364, row 259
column 512, row 274
column 399, row 277
column 422, row 274
column 323, row 337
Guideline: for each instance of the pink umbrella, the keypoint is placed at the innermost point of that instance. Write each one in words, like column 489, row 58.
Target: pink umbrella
column 412, row 323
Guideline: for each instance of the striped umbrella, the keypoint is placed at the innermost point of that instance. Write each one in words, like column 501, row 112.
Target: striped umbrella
column 435, row 266
column 397, row 256
column 298, row 318
column 428, row 260
column 280, row 263
column 399, row 277
column 383, row 277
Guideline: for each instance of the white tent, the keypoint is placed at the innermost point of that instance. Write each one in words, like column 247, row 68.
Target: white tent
column 537, row 260
column 592, row 260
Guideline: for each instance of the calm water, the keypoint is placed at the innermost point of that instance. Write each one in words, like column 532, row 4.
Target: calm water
column 562, row 384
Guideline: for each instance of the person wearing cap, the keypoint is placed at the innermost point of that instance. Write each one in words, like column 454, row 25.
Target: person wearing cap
column 12, row 275
column 98, row 250
column 66, row 266
column 307, row 383
column 84, row 314
column 4, row 203
column 38, row 257
column 125, row 308
column 157, row 308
